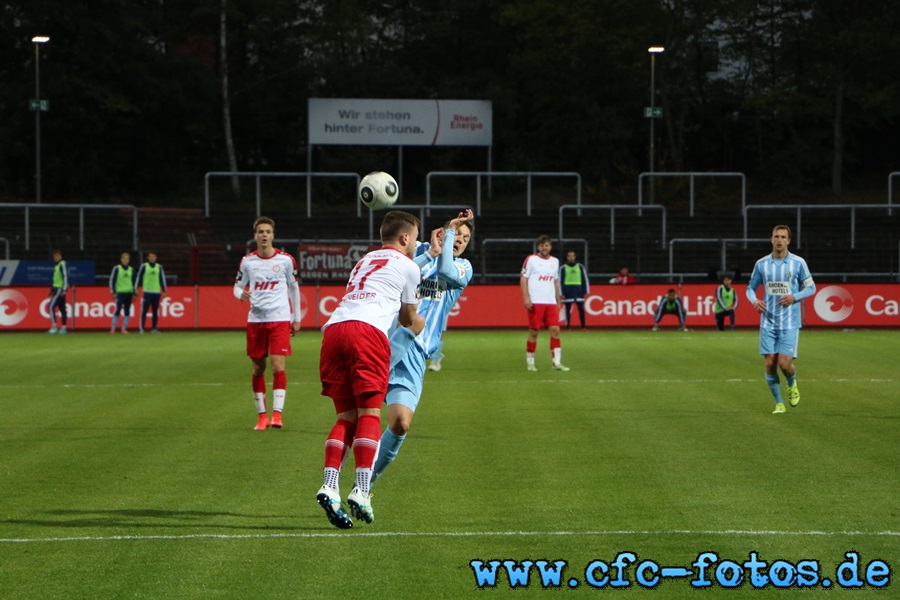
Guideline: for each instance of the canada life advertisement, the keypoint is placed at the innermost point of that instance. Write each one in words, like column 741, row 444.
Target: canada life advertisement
column 26, row 308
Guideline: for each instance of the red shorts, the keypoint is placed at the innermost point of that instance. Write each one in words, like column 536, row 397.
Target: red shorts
column 264, row 339
column 543, row 314
column 355, row 361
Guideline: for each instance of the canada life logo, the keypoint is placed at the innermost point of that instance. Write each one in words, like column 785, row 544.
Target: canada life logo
column 833, row 304
column 13, row 308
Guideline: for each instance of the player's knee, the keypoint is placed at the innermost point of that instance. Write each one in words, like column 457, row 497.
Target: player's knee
column 400, row 426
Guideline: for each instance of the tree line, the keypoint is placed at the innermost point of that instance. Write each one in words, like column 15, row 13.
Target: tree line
column 146, row 96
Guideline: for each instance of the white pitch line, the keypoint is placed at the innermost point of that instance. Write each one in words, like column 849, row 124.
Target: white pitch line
column 112, row 385
column 493, row 381
column 446, row 534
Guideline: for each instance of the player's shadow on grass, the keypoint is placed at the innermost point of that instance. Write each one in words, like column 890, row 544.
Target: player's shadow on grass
column 139, row 518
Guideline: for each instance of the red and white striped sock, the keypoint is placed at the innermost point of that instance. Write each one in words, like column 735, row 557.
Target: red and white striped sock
column 279, row 388
column 336, row 447
column 259, row 392
column 365, row 448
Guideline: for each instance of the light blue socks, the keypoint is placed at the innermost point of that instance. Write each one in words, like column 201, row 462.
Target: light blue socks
column 387, row 451
column 774, row 387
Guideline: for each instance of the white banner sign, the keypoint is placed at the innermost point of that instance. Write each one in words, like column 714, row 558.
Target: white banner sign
column 349, row 121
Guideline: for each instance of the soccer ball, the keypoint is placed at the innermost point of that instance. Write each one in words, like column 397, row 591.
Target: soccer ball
column 378, row 190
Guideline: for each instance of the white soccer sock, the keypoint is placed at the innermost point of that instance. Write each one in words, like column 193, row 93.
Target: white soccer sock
column 278, row 400
column 260, row 398
column 557, row 355
column 363, row 479
column 529, row 358
column 331, row 478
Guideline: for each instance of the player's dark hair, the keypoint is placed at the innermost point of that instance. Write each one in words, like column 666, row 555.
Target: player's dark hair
column 543, row 239
column 263, row 221
column 785, row 227
column 397, row 222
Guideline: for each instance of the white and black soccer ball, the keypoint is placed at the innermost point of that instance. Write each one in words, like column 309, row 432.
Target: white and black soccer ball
column 378, row 190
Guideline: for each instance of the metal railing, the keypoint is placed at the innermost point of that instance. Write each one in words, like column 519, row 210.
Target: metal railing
column 424, row 230
column 80, row 208
column 529, row 175
column 798, row 230
column 890, row 198
column 259, row 175
column 612, row 208
column 723, row 251
column 692, row 176
column 6, row 246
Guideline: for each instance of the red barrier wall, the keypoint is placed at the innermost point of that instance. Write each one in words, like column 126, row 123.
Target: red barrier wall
column 214, row 307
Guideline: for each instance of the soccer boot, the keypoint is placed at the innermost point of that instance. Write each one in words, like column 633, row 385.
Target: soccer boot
column 330, row 501
column 655, row 328
column 794, row 394
column 262, row 422
column 436, row 363
column 779, row 409
column 276, row 420
column 63, row 331
column 561, row 367
column 53, row 330
column 532, row 368
column 360, row 506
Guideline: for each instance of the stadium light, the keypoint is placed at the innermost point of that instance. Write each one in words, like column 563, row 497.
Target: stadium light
column 653, row 50
column 37, row 106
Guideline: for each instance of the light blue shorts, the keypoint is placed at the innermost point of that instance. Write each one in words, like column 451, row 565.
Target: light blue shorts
column 405, row 384
column 779, row 341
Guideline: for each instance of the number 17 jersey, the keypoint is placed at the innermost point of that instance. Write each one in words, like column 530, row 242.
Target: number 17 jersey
column 379, row 283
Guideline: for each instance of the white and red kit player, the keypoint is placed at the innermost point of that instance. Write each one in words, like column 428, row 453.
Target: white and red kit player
column 355, row 361
column 268, row 279
column 541, row 295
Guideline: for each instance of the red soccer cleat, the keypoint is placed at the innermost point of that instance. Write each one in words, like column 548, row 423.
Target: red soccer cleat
column 262, row 422
column 276, row 419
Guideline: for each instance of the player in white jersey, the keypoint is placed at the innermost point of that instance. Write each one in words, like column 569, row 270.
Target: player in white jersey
column 786, row 280
column 267, row 279
column 444, row 277
column 541, row 295
column 355, row 361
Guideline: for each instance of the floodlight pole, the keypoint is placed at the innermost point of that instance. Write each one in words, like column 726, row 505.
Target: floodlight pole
column 37, row 41
column 653, row 50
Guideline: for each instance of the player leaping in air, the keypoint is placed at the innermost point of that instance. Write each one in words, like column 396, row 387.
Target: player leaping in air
column 354, row 365
column 444, row 277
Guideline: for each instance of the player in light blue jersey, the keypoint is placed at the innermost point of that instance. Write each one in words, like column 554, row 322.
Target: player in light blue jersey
column 786, row 280
column 444, row 277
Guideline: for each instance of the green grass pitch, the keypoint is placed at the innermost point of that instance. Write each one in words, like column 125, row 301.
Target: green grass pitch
column 129, row 468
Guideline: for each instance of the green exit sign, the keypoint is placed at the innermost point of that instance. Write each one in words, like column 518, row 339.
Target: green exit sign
column 38, row 105
column 654, row 112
